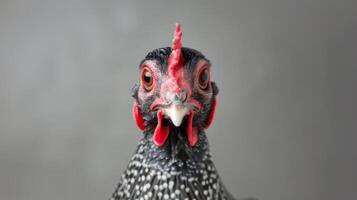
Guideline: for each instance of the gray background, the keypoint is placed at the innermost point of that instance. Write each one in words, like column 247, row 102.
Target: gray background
column 286, row 119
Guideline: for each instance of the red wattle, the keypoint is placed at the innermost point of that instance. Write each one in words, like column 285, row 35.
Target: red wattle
column 161, row 132
column 211, row 113
column 191, row 131
column 137, row 116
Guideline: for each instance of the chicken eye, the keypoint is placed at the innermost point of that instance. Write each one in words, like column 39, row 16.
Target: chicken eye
column 147, row 79
column 203, row 79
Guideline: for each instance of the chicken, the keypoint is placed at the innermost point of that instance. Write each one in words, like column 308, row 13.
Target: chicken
column 173, row 104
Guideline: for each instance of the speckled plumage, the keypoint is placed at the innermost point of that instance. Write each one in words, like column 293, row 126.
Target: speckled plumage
column 175, row 171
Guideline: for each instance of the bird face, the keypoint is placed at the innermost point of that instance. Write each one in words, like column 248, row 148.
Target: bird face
column 175, row 91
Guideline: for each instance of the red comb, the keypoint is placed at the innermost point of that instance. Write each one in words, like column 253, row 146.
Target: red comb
column 175, row 56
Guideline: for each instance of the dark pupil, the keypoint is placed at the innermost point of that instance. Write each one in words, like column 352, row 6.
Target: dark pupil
column 147, row 77
column 204, row 76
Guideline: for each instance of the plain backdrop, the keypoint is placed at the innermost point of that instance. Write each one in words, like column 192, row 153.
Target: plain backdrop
column 286, row 120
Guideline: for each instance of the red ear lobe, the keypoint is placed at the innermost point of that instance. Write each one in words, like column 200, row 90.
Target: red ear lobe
column 137, row 116
column 211, row 113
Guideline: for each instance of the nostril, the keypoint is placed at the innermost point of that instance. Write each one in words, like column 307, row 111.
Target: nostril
column 175, row 96
column 183, row 96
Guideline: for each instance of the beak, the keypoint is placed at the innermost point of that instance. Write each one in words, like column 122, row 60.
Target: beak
column 176, row 112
